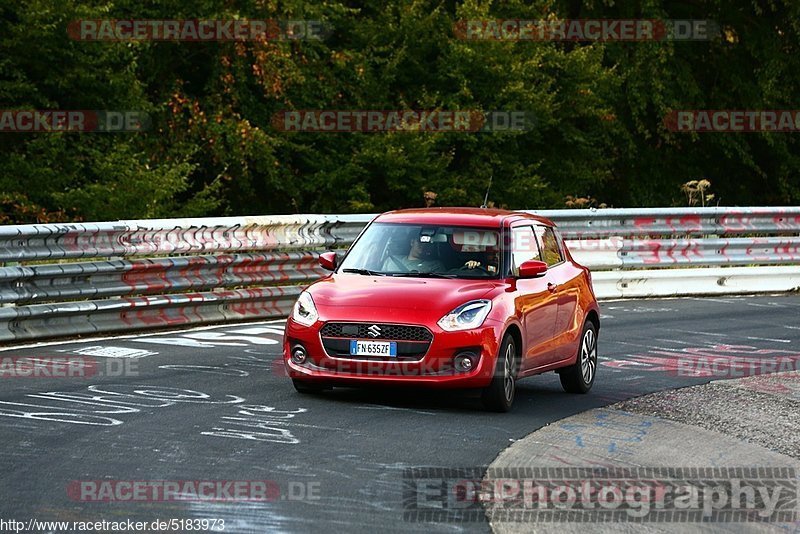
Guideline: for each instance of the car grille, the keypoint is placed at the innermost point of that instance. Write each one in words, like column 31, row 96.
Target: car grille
column 412, row 341
column 393, row 332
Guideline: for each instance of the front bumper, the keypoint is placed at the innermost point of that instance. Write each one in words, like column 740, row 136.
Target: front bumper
column 435, row 369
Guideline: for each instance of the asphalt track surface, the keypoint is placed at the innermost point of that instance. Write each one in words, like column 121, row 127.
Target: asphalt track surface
column 212, row 404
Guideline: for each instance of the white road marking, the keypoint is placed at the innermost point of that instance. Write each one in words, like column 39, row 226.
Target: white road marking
column 209, row 339
column 258, row 331
column 135, row 336
column 207, row 369
column 263, row 419
column 767, row 305
column 111, row 352
column 639, row 345
column 768, row 339
column 699, row 333
column 224, row 336
column 678, row 341
column 753, row 338
column 110, row 399
column 188, row 342
column 724, row 301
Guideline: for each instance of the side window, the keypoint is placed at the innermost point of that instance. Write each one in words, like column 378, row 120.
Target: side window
column 551, row 251
column 523, row 247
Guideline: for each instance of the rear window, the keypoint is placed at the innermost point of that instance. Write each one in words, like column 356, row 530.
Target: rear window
column 548, row 242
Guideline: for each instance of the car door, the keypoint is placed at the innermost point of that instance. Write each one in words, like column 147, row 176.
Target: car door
column 535, row 303
column 566, row 286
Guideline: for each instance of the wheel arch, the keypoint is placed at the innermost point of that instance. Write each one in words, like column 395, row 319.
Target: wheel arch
column 594, row 317
column 516, row 333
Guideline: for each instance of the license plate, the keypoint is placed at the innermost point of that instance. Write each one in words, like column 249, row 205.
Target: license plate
column 373, row 348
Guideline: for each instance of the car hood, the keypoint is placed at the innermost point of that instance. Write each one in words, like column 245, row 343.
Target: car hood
column 434, row 295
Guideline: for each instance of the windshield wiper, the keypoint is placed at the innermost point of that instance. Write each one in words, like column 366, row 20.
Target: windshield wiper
column 364, row 271
column 426, row 275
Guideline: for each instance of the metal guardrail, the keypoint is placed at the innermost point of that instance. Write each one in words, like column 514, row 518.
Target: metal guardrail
column 73, row 279
column 695, row 281
column 36, row 242
column 41, row 283
column 595, row 224
column 627, row 253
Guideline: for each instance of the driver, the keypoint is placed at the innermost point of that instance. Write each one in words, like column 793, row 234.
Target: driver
column 420, row 258
column 489, row 262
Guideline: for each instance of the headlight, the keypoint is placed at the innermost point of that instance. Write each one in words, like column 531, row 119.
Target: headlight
column 466, row 316
column 304, row 311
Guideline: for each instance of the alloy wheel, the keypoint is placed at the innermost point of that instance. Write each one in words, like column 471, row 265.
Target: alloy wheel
column 508, row 376
column 588, row 356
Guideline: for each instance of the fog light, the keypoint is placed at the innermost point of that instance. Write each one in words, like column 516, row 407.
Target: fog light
column 465, row 361
column 299, row 354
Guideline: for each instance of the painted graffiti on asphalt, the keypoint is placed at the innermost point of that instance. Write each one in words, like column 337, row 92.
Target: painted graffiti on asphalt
column 258, row 423
column 209, row 339
column 98, row 404
column 717, row 360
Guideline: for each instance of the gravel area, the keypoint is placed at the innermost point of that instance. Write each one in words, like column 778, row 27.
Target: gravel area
column 743, row 408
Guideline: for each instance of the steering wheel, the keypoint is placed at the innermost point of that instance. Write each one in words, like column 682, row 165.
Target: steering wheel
column 478, row 267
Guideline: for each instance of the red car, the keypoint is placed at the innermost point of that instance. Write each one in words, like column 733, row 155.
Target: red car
column 448, row 298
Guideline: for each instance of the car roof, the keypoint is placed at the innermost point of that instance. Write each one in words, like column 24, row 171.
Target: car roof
column 481, row 217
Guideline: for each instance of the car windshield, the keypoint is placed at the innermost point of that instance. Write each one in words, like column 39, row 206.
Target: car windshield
column 425, row 251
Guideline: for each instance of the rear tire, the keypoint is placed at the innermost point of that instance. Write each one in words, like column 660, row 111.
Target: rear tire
column 499, row 395
column 308, row 388
column 579, row 377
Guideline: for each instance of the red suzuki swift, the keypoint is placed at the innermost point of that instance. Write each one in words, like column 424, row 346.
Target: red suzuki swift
column 447, row 297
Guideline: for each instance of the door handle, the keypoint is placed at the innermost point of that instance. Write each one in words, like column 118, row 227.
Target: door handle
column 551, row 287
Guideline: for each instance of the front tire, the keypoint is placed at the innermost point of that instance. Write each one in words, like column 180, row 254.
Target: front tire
column 579, row 377
column 499, row 395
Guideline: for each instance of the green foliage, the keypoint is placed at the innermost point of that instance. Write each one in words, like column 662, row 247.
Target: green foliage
column 599, row 132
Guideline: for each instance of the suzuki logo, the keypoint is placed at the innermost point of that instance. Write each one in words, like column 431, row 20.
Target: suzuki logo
column 374, row 331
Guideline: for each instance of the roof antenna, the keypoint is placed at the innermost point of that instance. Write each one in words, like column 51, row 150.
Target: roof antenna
column 486, row 198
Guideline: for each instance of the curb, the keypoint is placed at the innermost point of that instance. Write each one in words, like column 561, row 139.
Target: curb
column 742, row 423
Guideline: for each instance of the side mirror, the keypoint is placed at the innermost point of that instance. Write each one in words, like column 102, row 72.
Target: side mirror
column 327, row 260
column 532, row 269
